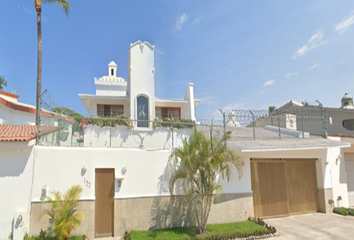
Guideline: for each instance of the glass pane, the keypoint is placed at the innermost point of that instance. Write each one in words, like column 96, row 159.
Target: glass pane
column 164, row 112
column 143, row 111
column 120, row 111
column 158, row 113
column 100, row 111
column 113, row 111
column 170, row 113
column 107, row 110
column 176, row 114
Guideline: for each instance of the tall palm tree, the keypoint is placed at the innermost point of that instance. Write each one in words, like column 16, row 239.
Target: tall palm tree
column 200, row 162
column 38, row 5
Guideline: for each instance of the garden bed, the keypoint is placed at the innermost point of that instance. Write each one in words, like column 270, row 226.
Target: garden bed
column 83, row 237
column 344, row 211
column 246, row 230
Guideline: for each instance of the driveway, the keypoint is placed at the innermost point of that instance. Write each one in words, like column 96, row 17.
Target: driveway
column 317, row 226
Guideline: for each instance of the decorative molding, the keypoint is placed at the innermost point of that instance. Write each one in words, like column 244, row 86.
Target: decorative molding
column 152, row 47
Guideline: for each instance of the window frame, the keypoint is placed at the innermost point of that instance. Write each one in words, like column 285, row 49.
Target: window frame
column 168, row 109
column 110, row 109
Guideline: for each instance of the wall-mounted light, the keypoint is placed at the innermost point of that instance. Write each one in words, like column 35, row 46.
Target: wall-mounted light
column 84, row 169
column 19, row 219
column 339, row 198
column 124, row 170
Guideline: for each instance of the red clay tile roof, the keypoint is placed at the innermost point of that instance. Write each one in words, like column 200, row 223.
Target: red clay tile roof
column 22, row 133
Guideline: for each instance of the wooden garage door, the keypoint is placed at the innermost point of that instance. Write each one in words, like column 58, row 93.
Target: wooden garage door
column 282, row 187
column 349, row 166
column 104, row 207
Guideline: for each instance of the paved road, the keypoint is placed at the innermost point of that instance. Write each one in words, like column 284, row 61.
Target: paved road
column 318, row 226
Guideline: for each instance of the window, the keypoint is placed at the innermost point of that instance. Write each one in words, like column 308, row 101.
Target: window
column 348, row 124
column 109, row 110
column 112, row 72
column 158, row 112
column 143, row 111
column 168, row 112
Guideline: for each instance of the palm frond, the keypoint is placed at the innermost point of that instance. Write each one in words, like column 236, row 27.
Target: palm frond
column 61, row 3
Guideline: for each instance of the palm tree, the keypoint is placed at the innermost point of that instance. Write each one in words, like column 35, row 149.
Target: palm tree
column 38, row 5
column 200, row 162
column 63, row 214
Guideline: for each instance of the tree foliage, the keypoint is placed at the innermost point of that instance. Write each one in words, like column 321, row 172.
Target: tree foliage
column 3, row 82
column 67, row 111
column 201, row 160
column 271, row 109
column 63, row 213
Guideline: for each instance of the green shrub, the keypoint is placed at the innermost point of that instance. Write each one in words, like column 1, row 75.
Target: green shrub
column 341, row 210
column 351, row 211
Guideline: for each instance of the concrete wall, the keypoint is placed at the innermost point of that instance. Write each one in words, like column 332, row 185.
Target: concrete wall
column 144, row 183
column 122, row 137
column 16, row 165
column 151, row 213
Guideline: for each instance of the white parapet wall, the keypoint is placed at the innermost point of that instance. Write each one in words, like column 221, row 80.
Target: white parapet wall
column 122, row 137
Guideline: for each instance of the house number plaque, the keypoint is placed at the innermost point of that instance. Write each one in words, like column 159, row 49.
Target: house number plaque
column 87, row 183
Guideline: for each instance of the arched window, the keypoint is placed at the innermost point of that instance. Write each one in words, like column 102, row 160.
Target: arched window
column 112, row 72
column 143, row 111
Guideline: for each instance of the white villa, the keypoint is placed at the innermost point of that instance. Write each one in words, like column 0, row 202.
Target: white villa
column 124, row 171
column 135, row 97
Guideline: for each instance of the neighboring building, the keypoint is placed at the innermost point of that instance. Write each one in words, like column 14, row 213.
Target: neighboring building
column 135, row 97
column 339, row 125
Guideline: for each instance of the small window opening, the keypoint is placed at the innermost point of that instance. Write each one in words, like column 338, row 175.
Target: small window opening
column 112, row 72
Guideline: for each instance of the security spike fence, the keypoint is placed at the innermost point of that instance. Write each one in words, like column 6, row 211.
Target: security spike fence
column 306, row 120
column 76, row 130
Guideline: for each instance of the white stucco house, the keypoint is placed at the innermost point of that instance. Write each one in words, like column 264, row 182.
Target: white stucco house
column 135, row 96
column 125, row 171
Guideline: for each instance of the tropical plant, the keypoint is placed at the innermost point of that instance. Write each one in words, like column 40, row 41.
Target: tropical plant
column 271, row 109
column 67, row 111
column 200, row 161
column 38, row 5
column 305, row 103
column 3, row 82
column 63, row 214
column 173, row 123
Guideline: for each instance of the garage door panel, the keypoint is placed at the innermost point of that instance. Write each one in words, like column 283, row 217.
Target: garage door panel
column 302, row 186
column 283, row 187
column 271, row 195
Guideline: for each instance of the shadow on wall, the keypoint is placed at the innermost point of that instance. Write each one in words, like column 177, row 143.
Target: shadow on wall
column 166, row 212
column 13, row 162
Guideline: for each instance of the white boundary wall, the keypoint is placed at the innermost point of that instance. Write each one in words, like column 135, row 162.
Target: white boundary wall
column 16, row 165
column 148, row 173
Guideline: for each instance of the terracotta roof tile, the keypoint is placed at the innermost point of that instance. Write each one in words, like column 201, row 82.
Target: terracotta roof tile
column 22, row 133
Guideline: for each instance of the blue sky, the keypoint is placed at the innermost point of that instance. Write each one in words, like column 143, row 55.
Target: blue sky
column 239, row 54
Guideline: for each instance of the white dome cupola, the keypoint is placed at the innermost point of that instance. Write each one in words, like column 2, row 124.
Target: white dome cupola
column 347, row 101
column 112, row 69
